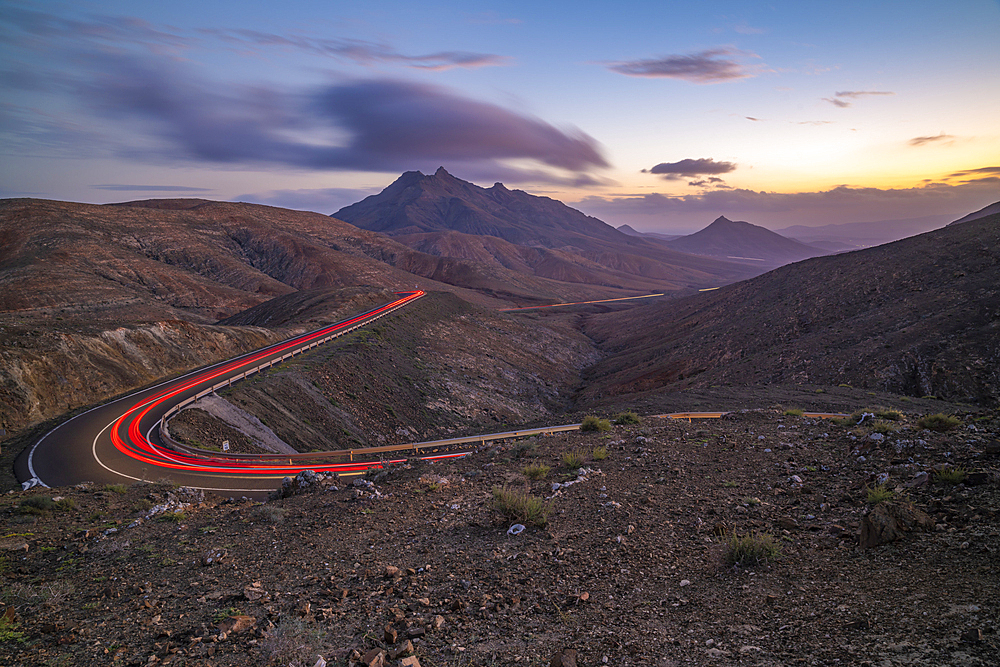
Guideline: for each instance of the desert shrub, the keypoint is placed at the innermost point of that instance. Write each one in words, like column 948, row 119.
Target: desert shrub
column 952, row 475
column 270, row 513
column 572, row 459
column 66, row 505
column 750, row 500
column 520, row 506
column 794, row 412
column 938, row 422
column 883, row 427
column 627, row 418
column 599, row 453
column 142, row 505
column 888, row 414
column 36, row 505
column 878, row 494
column 9, row 631
column 290, row 640
column 592, row 423
column 524, row 448
column 536, row 471
column 172, row 517
column 751, row 548
column 116, row 488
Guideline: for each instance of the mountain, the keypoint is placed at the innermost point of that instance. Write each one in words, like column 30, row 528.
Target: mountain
column 743, row 242
column 981, row 213
column 864, row 234
column 627, row 229
column 917, row 317
column 445, row 215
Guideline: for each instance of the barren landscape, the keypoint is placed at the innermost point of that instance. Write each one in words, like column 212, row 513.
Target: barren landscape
column 630, row 567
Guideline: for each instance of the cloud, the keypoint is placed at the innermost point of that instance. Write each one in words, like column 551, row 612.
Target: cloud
column 688, row 167
column 988, row 172
column 116, row 187
column 358, row 51
column 709, row 66
column 371, row 124
column 753, row 119
column 921, row 141
column 840, row 98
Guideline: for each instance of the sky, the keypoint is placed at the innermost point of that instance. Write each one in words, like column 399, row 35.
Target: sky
column 662, row 115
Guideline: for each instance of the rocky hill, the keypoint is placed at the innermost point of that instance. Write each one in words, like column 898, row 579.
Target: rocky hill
column 443, row 214
column 916, row 317
column 744, row 242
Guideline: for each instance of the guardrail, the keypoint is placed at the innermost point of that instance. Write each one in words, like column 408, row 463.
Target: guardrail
column 172, row 412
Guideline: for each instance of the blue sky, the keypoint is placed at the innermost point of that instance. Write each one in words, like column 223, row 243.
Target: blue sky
column 663, row 115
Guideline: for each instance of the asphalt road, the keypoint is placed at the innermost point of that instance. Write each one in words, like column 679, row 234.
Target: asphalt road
column 119, row 442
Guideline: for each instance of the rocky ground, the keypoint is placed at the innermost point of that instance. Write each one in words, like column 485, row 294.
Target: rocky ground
column 632, row 565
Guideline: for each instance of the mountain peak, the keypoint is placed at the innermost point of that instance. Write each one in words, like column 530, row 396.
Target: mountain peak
column 722, row 220
column 442, row 172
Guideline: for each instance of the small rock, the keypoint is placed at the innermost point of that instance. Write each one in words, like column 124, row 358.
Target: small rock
column 415, row 632
column 374, row 658
column 437, row 622
column 685, row 582
column 320, row 662
column 788, row 523
column 390, row 635
column 564, row 658
column 401, row 651
column 391, row 572
column 972, row 636
column 236, row 624
column 410, row 661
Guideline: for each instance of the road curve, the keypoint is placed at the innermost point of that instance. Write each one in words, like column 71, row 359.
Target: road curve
column 120, row 441
column 123, row 441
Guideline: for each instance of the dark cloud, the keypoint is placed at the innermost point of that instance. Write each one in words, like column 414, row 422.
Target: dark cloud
column 753, row 119
column 375, row 125
column 840, row 98
column 711, row 66
column 982, row 171
column 688, row 167
column 920, row 141
column 117, row 187
column 357, row 51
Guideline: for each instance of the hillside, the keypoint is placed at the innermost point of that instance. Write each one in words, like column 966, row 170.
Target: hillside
column 916, row 317
column 743, row 242
column 443, row 214
column 95, row 300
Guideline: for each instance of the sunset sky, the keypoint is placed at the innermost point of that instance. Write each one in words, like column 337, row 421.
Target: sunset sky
column 659, row 114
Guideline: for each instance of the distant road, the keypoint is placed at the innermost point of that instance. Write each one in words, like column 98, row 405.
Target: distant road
column 580, row 303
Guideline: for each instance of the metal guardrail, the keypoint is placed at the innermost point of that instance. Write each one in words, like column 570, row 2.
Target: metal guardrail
column 172, row 412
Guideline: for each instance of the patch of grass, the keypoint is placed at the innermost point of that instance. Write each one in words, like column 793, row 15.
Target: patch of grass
column 595, row 424
column 572, row 459
column 536, row 471
column 220, row 615
column 952, row 475
column 939, row 422
column 882, row 426
column 172, row 517
column 520, row 506
column 794, row 412
column 66, row 505
column 599, row 453
column 8, row 629
column 116, row 488
column 36, row 505
column 524, row 448
column 751, row 548
column 730, row 485
column 878, row 494
column 750, row 500
column 142, row 505
column 627, row 418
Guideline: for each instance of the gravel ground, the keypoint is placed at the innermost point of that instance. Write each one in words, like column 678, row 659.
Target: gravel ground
column 632, row 566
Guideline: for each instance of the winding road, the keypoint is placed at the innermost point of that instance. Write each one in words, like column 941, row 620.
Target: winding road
column 126, row 440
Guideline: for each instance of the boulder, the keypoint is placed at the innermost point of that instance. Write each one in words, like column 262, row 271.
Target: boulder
column 890, row 521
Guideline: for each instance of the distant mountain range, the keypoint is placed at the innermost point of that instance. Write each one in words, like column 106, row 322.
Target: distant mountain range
column 744, row 242
column 446, row 216
column 992, row 209
column 856, row 235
